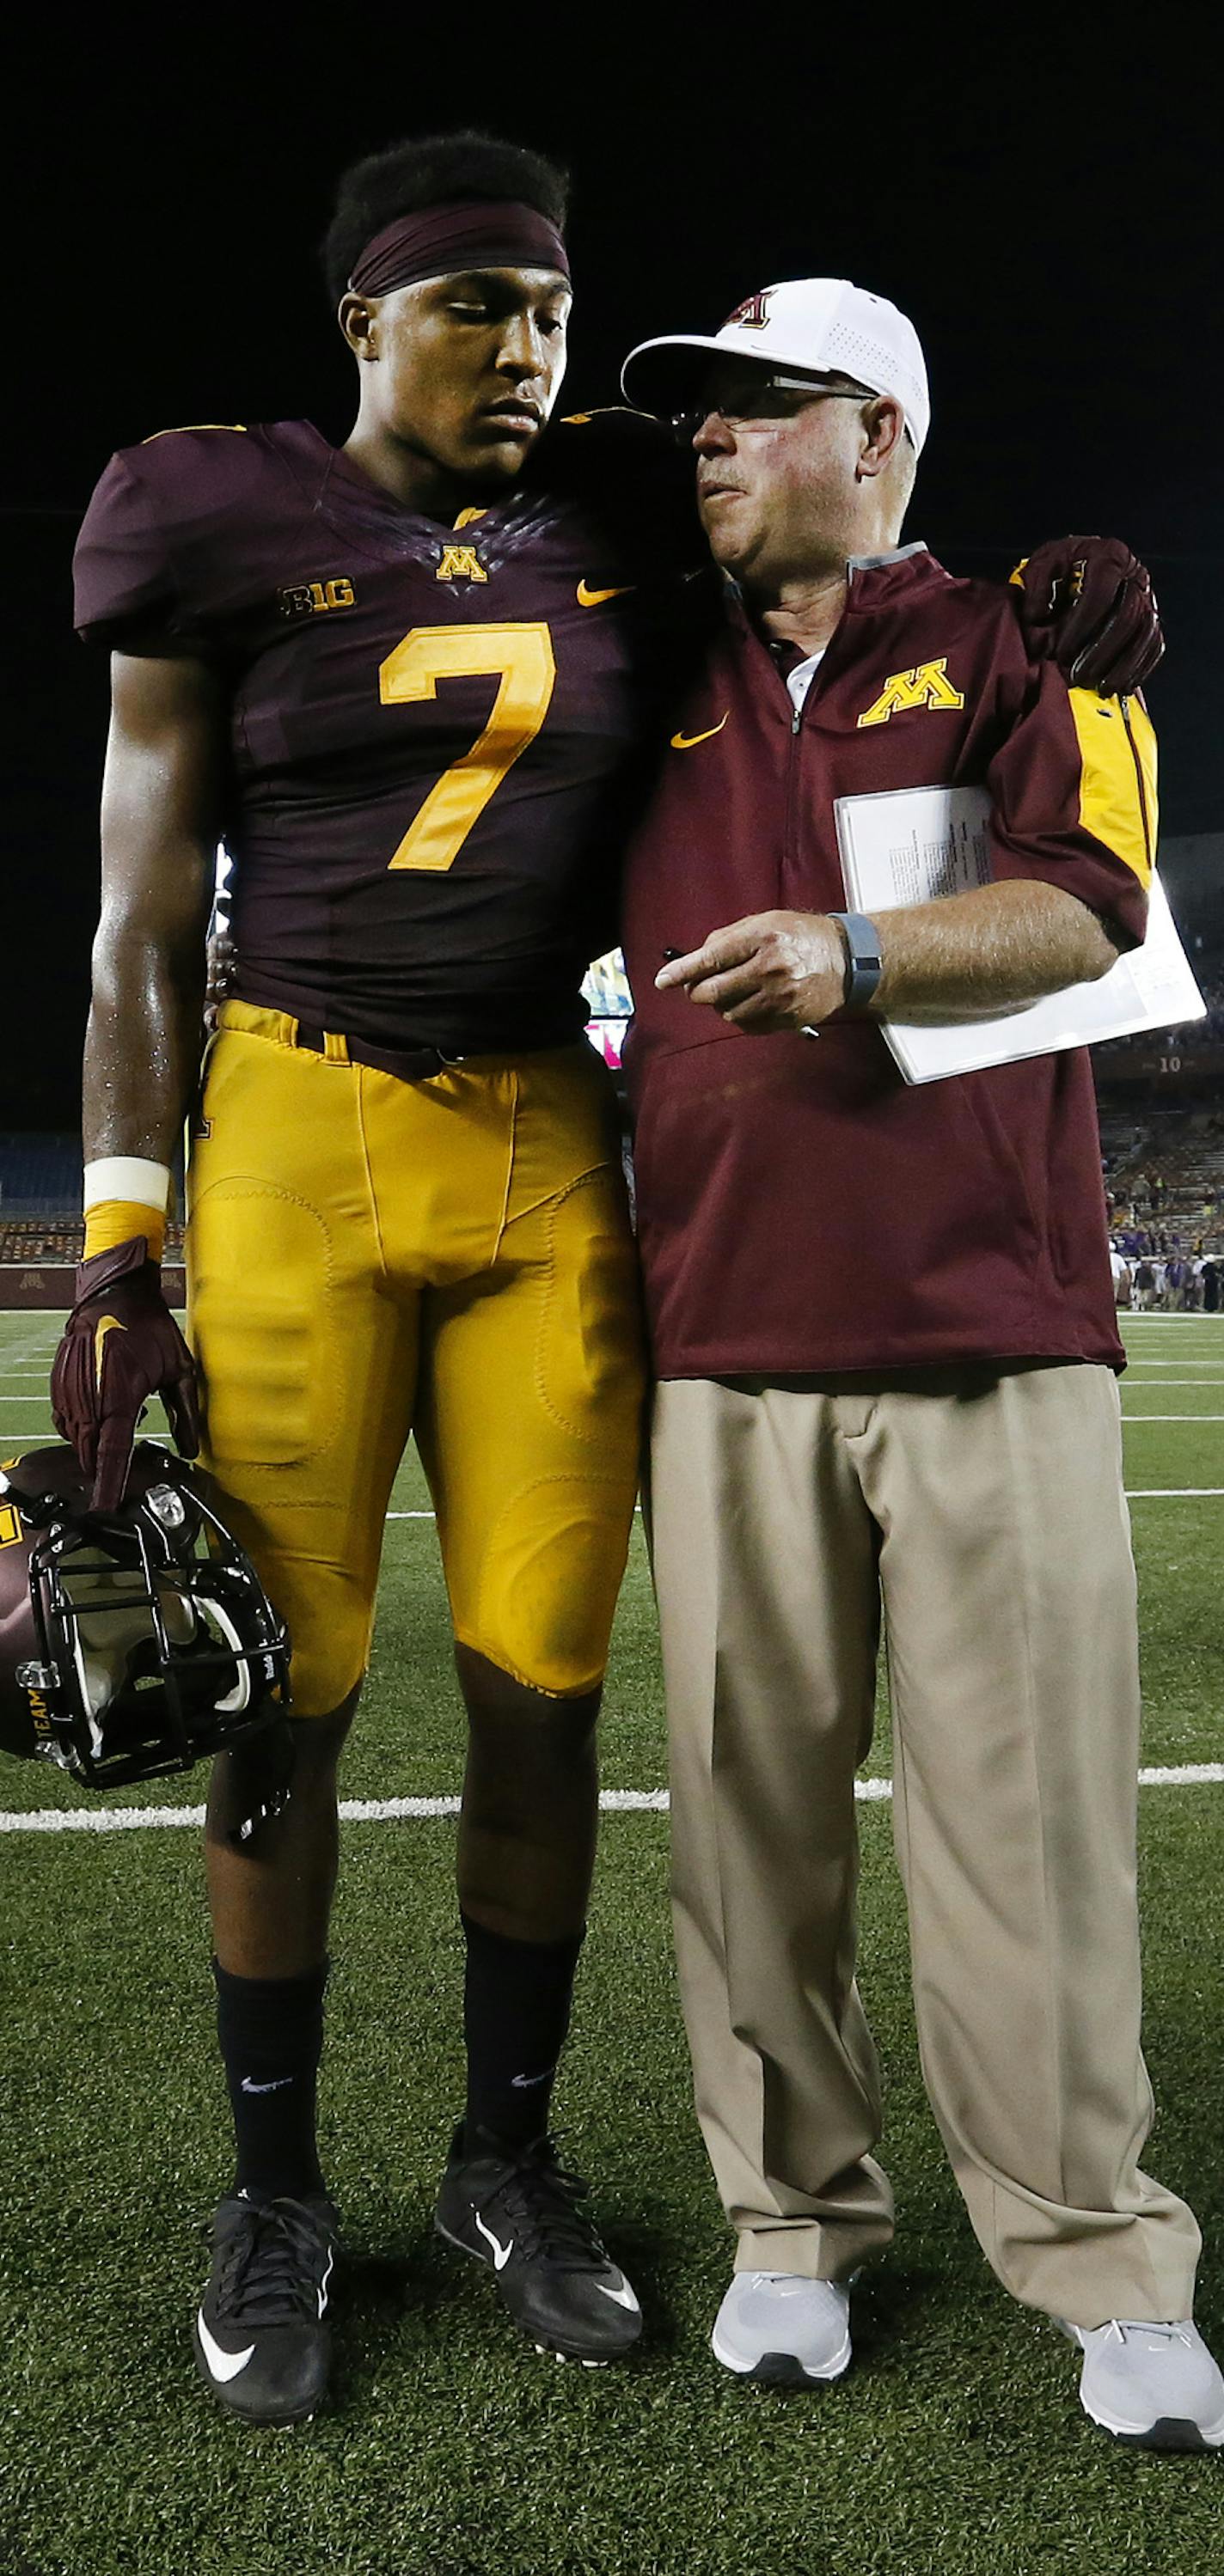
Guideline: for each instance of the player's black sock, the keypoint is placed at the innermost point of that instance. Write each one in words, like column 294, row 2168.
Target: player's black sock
column 271, row 2035
column 516, row 2009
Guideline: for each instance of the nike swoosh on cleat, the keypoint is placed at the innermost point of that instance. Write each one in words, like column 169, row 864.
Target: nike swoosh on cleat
column 223, row 2365
column 501, row 2253
column 689, row 741
column 277, row 2085
column 624, row 2297
column 523, row 2083
column 591, row 598
column 326, row 2278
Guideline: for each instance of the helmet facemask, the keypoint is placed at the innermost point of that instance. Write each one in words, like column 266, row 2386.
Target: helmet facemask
column 153, row 1641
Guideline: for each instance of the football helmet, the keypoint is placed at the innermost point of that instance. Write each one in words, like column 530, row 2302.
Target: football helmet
column 134, row 1641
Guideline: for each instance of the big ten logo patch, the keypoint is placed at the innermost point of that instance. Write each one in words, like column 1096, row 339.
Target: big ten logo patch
column 315, row 598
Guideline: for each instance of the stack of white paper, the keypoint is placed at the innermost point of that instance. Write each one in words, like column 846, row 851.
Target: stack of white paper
column 917, row 843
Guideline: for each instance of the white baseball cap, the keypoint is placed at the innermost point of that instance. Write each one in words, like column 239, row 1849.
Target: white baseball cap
column 822, row 325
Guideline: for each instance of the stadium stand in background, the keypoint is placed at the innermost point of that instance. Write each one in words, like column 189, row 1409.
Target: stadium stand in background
column 1164, row 1174
column 1161, row 1101
column 41, row 1225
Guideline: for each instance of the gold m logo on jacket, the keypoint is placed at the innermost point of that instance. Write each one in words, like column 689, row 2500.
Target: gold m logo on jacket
column 927, row 686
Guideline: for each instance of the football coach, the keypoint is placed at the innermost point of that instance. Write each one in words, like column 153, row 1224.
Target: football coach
column 886, row 1354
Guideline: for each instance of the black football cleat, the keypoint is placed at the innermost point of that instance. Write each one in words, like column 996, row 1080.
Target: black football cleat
column 260, row 2338
column 518, row 2212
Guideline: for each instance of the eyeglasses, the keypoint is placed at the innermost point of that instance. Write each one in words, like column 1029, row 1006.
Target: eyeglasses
column 753, row 402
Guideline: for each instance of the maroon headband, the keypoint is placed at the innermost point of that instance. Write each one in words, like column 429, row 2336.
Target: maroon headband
column 441, row 239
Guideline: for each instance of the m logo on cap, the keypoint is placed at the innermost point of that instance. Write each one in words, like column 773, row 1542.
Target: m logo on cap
column 927, row 686
column 753, row 315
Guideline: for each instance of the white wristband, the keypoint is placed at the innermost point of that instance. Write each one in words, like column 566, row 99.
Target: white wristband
column 125, row 1176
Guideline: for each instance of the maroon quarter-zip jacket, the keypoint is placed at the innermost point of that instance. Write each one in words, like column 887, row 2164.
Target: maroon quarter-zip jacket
column 802, row 1209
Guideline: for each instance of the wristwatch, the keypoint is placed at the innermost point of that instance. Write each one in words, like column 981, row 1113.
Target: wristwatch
column 864, row 964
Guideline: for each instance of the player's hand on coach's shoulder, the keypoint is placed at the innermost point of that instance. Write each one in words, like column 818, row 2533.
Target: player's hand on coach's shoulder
column 770, row 973
column 1087, row 603
column 120, row 1346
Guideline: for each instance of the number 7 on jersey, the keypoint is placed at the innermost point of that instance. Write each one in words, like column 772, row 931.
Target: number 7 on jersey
column 522, row 658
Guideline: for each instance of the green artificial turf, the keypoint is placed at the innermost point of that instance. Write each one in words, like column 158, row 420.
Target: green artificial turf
column 954, row 2444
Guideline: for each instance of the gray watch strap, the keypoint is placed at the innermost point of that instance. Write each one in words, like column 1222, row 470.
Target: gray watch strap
column 864, row 964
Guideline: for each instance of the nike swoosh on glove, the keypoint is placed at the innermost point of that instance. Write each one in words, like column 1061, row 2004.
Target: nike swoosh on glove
column 1087, row 603
column 120, row 1346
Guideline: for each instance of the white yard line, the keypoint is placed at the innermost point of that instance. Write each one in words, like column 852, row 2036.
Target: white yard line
column 1134, row 1493
column 1142, row 1493
column 381, row 1811
column 1172, row 1417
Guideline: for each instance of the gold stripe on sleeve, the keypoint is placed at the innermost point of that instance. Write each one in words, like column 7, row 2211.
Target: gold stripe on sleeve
column 1117, row 748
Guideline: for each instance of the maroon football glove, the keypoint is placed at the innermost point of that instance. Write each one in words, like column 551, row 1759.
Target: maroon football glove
column 121, row 1345
column 1087, row 604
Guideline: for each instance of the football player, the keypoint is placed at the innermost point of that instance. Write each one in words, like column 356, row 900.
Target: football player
column 402, row 681
column 409, row 682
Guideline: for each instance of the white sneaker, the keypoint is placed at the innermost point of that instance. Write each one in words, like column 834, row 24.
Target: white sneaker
column 783, row 2328
column 1155, row 2385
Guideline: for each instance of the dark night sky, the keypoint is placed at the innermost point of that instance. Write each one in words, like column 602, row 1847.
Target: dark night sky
column 1045, row 206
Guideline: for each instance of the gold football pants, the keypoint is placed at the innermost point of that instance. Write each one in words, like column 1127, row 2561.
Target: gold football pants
column 452, row 1258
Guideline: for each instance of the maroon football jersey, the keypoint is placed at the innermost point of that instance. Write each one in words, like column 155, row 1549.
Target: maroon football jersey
column 436, row 732
column 801, row 1208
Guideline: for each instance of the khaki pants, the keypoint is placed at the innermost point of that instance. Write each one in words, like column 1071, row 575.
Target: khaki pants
column 985, row 1513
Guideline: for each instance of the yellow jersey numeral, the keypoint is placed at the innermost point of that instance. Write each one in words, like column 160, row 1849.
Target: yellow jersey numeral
column 522, row 657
